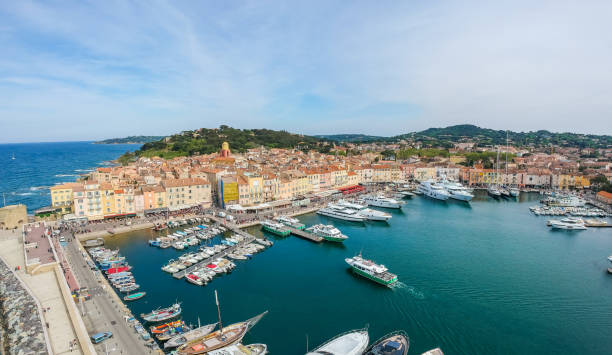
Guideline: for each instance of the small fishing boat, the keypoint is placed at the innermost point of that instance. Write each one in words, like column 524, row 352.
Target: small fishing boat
column 129, row 288
column 134, row 296
column 396, row 343
column 162, row 314
column 158, row 329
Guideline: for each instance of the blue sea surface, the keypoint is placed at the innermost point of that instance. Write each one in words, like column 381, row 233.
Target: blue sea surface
column 38, row 166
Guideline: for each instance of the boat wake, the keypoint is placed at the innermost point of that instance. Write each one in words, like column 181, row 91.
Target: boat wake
column 410, row 289
column 65, row 175
column 37, row 188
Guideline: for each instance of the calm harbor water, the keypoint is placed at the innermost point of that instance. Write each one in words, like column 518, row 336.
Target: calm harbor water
column 483, row 278
column 37, row 166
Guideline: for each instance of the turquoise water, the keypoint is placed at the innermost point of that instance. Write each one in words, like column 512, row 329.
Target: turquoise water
column 37, row 166
column 484, row 278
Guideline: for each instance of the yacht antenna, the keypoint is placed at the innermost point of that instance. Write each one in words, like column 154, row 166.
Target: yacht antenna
column 219, row 313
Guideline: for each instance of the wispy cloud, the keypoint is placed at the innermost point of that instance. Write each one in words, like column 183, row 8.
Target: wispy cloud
column 88, row 70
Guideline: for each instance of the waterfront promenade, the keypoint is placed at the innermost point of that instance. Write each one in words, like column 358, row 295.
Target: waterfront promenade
column 105, row 311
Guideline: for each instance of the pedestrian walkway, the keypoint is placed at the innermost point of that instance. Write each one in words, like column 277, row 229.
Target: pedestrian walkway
column 44, row 287
column 38, row 247
column 73, row 284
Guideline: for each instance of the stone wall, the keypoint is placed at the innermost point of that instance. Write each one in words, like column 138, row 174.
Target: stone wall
column 13, row 216
column 22, row 328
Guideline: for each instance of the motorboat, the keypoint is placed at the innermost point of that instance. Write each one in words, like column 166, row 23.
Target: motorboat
column 457, row 191
column 353, row 342
column 239, row 349
column 494, row 191
column 569, row 223
column 368, row 213
column 396, row 343
column 431, row 189
column 339, row 212
column 381, row 201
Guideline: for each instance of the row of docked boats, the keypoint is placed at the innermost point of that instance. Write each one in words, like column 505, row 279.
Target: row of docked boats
column 355, row 342
column 203, row 274
column 188, row 259
column 188, row 237
column 568, row 211
column 226, row 340
column 117, row 271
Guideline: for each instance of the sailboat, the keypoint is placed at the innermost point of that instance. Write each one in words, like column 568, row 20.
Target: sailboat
column 493, row 190
column 221, row 338
column 13, row 157
column 513, row 191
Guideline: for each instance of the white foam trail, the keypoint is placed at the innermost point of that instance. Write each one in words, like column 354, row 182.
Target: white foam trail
column 65, row 175
column 410, row 289
column 36, row 188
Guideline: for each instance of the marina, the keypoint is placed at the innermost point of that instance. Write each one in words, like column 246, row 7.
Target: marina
column 423, row 292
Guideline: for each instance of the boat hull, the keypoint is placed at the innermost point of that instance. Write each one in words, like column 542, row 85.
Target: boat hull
column 374, row 277
column 282, row 233
column 345, row 218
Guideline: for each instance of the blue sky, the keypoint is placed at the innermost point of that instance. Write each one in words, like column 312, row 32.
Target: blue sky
column 102, row 69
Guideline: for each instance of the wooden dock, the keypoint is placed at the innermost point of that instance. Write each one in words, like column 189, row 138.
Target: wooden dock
column 305, row 235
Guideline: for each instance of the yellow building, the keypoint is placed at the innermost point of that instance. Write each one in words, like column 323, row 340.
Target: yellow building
column 62, row 198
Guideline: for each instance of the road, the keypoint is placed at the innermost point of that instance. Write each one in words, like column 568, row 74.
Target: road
column 101, row 312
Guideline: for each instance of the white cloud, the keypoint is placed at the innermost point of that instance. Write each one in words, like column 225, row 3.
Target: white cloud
column 160, row 67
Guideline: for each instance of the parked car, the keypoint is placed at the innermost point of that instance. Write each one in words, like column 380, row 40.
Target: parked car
column 100, row 337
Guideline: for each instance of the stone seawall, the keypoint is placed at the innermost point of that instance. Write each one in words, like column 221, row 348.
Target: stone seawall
column 22, row 327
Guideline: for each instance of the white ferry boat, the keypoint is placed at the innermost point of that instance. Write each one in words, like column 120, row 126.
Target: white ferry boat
column 350, row 343
column 339, row 212
column 429, row 188
column 370, row 270
column 382, row 201
column 373, row 215
column 327, row 232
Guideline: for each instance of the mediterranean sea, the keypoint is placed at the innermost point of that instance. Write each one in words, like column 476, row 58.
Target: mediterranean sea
column 38, row 166
column 487, row 277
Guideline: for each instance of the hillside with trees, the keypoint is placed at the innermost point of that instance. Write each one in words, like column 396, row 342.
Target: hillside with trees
column 209, row 140
column 130, row 140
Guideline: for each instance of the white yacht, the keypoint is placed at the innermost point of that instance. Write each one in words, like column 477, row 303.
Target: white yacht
column 350, row 343
column 493, row 191
column 335, row 211
column 362, row 210
column 568, row 224
column 382, row 201
column 429, row 188
column 457, row 191
column 514, row 192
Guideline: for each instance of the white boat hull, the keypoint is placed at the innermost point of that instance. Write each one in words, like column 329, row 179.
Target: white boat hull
column 355, row 218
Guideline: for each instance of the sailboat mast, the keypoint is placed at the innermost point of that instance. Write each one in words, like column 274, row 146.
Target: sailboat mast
column 219, row 312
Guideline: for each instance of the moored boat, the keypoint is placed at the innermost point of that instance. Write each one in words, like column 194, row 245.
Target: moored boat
column 134, row 296
column 353, row 342
column 396, row 343
column 158, row 329
column 162, row 314
column 191, row 335
column 291, row 222
column 382, row 201
column 339, row 212
column 221, row 338
column 327, row 232
column 275, row 228
column 239, row 349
